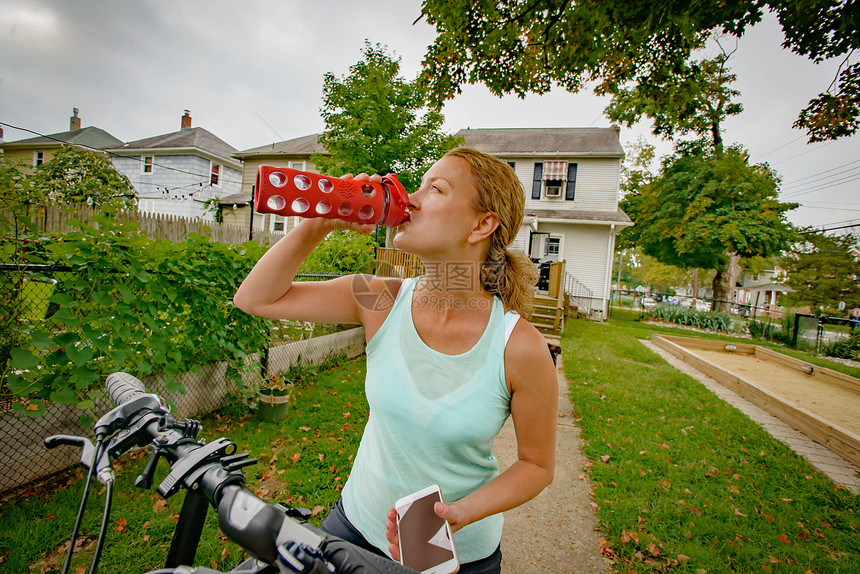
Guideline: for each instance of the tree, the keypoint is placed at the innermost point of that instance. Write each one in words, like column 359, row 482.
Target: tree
column 693, row 98
column 707, row 209
column 822, row 271
column 79, row 176
column 522, row 46
column 374, row 122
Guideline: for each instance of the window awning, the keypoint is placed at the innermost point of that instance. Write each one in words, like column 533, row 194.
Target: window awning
column 555, row 170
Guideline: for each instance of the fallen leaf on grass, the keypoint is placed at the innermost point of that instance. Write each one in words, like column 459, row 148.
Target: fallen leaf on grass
column 159, row 504
column 764, row 515
column 316, row 510
column 605, row 458
column 783, row 538
column 738, row 512
column 120, row 524
column 295, row 457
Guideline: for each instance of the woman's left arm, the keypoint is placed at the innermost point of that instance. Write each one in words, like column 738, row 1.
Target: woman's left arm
column 533, row 382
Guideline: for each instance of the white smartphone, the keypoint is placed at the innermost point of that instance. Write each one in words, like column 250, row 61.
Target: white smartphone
column 426, row 544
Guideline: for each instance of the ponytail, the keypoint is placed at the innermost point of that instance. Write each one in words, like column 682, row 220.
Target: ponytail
column 511, row 276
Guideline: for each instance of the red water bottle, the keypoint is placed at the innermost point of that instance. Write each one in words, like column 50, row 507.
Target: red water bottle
column 285, row 191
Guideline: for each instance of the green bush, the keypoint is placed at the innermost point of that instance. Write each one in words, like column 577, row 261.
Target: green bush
column 132, row 303
column 844, row 348
column 677, row 314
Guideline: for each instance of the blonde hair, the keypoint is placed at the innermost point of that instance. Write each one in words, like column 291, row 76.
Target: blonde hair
column 509, row 275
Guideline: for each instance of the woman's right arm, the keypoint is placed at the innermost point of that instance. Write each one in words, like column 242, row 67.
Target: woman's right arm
column 269, row 291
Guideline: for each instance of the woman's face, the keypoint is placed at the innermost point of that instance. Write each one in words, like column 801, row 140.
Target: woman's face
column 441, row 214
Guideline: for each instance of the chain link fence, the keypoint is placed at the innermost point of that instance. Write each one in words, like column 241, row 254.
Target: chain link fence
column 27, row 295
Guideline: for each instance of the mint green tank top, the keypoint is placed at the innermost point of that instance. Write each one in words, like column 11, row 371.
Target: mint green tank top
column 432, row 420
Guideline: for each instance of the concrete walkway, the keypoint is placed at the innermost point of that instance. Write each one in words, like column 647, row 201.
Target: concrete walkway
column 557, row 530
column 837, row 468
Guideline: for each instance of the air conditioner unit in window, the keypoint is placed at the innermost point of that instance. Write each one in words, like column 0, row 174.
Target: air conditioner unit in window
column 553, row 191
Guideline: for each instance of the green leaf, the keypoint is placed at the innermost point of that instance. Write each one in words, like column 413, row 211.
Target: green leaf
column 41, row 340
column 24, row 360
column 102, row 298
column 17, row 384
column 64, row 396
column 172, row 385
column 61, row 299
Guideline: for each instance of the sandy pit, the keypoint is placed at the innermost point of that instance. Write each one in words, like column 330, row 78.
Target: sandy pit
column 822, row 396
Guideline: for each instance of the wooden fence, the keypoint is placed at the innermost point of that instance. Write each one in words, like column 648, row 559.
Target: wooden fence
column 396, row 263
column 58, row 219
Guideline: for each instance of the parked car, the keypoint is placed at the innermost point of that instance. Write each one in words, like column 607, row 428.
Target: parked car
column 702, row 305
column 648, row 302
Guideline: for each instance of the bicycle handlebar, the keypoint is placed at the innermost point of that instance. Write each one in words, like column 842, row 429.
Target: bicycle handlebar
column 123, row 387
column 213, row 471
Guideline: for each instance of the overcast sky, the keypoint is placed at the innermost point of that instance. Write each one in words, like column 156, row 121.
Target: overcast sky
column 252, row 74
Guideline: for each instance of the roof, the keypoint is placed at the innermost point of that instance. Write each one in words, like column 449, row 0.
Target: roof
column 91, row 137
column 545, row 141
column 574, row 216
column 301, row 146
column 198, row 139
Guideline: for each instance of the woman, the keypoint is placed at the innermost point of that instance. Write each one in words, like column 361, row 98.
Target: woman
column 447, row 358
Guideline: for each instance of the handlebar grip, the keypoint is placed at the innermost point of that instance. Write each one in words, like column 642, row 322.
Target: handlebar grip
column 349, row 559
column 123, row 387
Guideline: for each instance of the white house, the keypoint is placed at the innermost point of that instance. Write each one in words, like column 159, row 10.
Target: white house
column 183, row 173
column 571, row 182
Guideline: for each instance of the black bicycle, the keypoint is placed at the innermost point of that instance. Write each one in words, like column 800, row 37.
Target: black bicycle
column 278, row 538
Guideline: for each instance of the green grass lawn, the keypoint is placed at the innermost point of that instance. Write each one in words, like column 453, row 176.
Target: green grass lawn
column 683, row 481
column 303, row 461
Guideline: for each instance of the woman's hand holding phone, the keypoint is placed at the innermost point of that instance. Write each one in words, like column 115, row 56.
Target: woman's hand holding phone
column 419, row 535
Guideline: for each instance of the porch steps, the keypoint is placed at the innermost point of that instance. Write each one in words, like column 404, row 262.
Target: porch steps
column 548, row 315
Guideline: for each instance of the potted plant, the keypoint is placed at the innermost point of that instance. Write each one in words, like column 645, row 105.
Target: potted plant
column 273, row 398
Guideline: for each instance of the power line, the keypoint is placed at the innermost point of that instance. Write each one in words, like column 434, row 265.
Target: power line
column 793, row 182
column 778, row 148
column 110, row 153
column 804, row 153
column 821, row 187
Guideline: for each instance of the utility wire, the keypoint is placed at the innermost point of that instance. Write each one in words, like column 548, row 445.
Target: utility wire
column 796, row 181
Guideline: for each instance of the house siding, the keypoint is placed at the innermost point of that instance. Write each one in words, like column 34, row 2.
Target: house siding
column 596, row 186
column 178, row 184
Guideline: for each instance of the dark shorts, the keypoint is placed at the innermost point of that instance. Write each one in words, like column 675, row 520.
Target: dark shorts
column 338, row 524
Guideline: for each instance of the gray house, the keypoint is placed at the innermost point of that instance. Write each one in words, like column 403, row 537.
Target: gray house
column 571, row 181
column 183, row 173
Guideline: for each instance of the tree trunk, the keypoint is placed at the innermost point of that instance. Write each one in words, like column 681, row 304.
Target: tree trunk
column 724, row 283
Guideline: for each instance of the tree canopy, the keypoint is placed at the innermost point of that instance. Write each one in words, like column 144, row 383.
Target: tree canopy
column 522, row 46
column 377, row 122
column 822, row 271
column 706, row 209
column 78, row 176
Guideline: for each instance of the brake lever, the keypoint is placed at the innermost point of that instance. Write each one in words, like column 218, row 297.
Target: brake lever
column 104, row 472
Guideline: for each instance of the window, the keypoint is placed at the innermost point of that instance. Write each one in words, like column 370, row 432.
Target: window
column 38, row 157
column 570, row 194
column 553, row 246
column 299, row 165
column 146, row 164
column 215, row 177
column 554, row 173
column 513, row 165
column 537, row 183
column 553, row 187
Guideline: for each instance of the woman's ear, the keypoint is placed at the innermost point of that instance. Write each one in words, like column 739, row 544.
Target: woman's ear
column 484, row 227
